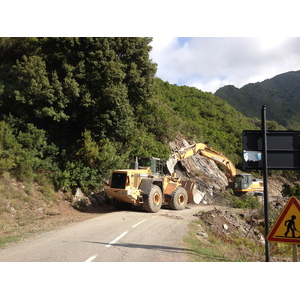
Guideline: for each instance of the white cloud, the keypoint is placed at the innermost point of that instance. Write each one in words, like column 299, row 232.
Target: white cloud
column 210, row 63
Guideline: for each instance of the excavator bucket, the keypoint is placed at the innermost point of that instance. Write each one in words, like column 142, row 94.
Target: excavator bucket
column 171, row 163
column 194, row 195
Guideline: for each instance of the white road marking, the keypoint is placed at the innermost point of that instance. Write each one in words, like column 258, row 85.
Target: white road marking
column 115, row 240
column 124, row 233
column 138, row 224
column 91, row 258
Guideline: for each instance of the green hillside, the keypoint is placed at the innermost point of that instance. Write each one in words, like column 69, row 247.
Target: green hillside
column 280, row 94
column 74, row 109
column 206, row 118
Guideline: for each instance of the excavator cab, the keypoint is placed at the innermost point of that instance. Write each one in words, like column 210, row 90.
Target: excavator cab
column 242, row 181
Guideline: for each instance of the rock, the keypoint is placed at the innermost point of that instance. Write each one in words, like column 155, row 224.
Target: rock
column 80, row 201
column 7, row 205
column 12, row 210
column 209, row 179
column 40, row 211
column 9, row 208
column 225, row 226
column 203, row 233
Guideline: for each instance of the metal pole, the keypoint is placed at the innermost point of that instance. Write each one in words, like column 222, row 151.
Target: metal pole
column 295, row 253
column 265, row 167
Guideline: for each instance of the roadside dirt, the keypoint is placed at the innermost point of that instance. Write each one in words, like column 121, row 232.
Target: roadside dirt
column 27, row 221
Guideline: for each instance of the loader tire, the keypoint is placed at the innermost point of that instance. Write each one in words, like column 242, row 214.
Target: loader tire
column 179, row 199
column 152, row 202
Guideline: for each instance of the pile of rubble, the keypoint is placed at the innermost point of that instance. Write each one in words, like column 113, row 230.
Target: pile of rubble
column 227, row 224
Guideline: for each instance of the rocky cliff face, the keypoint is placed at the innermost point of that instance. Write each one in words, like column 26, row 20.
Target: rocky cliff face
column 210, row 180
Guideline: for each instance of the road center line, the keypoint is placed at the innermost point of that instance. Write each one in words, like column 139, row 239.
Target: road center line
column 124, row 233
column 115, row 240
column 138, row 223
column 91, row 258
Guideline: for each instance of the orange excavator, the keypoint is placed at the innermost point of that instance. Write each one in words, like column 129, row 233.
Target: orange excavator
column 240, row 183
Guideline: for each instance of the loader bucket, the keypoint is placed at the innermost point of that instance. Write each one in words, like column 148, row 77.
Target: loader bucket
column 194, row 195
column 171, row 163
column 197, row 196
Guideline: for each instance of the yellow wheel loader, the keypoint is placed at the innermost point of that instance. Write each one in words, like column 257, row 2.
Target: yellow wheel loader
column 240, row 183
column 147, row 186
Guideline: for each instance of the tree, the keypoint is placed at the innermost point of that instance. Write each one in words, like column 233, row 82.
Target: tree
column 68, row 85
column 84, row 93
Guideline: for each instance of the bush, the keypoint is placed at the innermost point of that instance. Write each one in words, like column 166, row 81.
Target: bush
column 289, row 190
column 246, row 201
column 9, row 148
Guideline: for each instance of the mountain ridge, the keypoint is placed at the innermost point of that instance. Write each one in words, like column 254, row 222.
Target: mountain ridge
column 280, row 94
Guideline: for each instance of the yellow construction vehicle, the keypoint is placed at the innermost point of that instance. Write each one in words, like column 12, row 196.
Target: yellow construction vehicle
column 147, row 186
column 240, row 183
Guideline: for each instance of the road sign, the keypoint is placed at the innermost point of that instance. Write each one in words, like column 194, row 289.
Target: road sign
column 283, row 149
column 287, row 227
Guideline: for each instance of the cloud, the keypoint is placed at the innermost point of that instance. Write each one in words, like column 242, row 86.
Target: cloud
column 210, row 63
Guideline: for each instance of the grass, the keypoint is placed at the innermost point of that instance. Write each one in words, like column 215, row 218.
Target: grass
column 203, row 251
column 217, row 248
column 9, row 240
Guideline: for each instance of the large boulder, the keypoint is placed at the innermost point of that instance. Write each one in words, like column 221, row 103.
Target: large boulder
column 209, row 179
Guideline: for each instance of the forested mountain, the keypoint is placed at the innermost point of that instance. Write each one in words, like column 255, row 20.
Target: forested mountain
column 74, row 109
column 280, row 94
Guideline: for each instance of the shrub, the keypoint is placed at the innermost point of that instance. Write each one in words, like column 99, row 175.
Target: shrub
column 290, row 190
column 246, row 201
column 9, row 148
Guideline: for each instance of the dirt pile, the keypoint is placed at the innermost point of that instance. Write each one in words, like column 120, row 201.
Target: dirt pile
column 227, row 224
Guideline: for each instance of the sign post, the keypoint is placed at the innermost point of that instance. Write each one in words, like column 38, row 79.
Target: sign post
column 266, row 195
column 295, row 253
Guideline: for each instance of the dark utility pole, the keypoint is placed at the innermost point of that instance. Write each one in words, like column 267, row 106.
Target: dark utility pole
column 265, row 168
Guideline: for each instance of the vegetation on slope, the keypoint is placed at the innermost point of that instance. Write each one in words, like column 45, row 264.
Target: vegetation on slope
column 207, row 118
column 79, row 106
column 74, row 109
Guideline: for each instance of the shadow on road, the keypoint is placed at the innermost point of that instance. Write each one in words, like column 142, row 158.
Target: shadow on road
column 175, row 250
column 149, row 247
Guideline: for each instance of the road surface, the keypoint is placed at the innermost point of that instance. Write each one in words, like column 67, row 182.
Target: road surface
column 122, row 236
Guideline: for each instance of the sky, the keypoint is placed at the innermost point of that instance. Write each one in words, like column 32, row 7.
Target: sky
column 224, row 53
column 209, row 63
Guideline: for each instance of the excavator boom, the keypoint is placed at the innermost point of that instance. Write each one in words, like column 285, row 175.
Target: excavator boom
column 203, row 150
column 241, row 183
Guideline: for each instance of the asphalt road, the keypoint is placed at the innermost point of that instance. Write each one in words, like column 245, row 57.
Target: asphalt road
column 123, row 236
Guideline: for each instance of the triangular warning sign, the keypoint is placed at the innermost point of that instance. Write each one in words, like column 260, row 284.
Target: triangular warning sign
column 287, row 227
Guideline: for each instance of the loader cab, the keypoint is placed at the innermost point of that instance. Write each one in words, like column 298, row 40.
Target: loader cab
column 242, row 181
column 155, row 164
